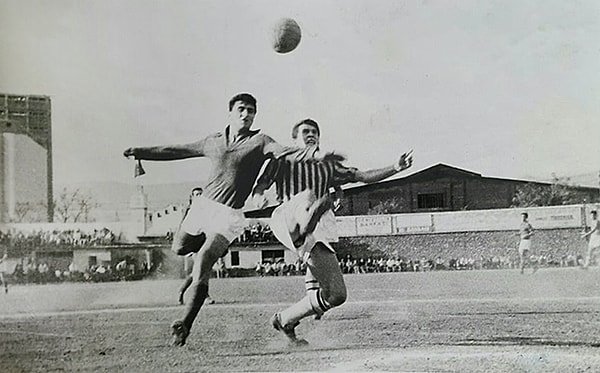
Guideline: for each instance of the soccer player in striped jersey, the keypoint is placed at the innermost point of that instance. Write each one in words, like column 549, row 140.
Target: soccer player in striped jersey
column 305, row 222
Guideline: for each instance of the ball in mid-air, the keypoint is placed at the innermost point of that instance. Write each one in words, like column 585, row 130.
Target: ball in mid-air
column 286, row 35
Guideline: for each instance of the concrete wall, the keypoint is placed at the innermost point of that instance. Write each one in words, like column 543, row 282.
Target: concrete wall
column 551, row 242
column 81, row 257
column 552, row 217
column 251, row 254
column 469, row 234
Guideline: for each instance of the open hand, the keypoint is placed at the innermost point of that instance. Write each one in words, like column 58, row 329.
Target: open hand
column 404, row 162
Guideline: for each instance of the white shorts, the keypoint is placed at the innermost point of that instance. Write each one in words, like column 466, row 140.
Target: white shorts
column 524, row 245
column 208, row 216
column 594, row 241
column 325, row 231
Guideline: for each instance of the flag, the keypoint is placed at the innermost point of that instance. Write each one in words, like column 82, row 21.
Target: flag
column 139, row 170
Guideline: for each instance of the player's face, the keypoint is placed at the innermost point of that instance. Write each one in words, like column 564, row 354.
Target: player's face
column 196, row 193
column 307, row 136
column 241, row 116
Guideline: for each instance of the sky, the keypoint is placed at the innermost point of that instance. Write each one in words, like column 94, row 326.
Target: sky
column 504, row 88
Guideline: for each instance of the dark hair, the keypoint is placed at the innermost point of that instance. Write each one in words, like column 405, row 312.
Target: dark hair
column 244, row 97
column 308, row 121
column 594, row 212
column 525, row 214
column 197, row 188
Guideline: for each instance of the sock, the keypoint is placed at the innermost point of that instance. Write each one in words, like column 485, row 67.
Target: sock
column 296, row 312
column 199, row 294
column 312, row 304
column 318, row 303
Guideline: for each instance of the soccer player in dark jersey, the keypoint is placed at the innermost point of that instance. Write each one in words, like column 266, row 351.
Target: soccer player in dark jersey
column 305, row 222
column 215, row 219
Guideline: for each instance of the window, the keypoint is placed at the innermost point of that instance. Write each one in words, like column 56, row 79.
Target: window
column 235, row 258
column 92, row 261
column 271, row 255
column 431, row 201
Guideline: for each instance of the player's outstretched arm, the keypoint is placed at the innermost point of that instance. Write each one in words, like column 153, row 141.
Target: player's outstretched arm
column 263, row 183
column 166, row 152
column 372, row 176
column 273, row 149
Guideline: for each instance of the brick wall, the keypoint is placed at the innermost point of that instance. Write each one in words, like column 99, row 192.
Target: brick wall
column 489, row 194
column 458, row 193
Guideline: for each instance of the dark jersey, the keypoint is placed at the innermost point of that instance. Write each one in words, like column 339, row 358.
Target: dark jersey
column 235, row 164
column 525, row 230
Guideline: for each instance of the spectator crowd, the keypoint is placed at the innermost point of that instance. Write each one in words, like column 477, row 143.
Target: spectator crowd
column 375, row 265
column 279, row 267
column 23, row 241
column 257, row 233
column 30, row 270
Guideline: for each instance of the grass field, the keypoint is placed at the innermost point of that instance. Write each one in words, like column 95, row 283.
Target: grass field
column 471, row 321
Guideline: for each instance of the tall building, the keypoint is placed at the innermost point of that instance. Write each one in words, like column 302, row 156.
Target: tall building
column 25, row 157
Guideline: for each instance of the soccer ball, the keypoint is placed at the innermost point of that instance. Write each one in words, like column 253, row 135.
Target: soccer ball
column 286, row 35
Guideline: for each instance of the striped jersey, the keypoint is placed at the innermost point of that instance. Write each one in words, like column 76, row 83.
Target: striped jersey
column 301, row 170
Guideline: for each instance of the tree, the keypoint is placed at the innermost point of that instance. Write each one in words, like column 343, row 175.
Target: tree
column 22, row 210
column 73, row 205
column 559, row 192
column 27, row 212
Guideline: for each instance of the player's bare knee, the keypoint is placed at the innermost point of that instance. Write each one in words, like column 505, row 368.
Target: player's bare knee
column 214, row 247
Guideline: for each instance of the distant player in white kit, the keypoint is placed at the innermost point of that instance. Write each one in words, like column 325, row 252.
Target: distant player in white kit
column 196, row 192
column 3, row 270
column 594, row 239
column 525, row 232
